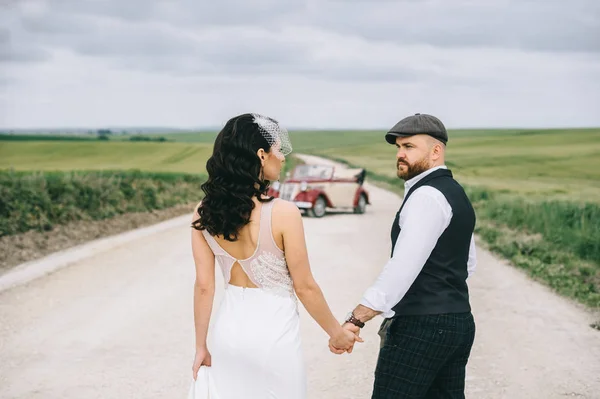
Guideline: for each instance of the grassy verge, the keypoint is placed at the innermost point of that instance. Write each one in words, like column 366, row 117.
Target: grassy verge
column 557, row 242
column 33, row 244
column 41, row 200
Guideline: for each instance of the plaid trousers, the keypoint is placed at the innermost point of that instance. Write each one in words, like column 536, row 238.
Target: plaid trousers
column 424, row 357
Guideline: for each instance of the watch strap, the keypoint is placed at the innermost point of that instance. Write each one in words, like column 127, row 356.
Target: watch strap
column 355, row 321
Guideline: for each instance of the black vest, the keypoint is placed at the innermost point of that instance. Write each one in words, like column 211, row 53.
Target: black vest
column 441, row 286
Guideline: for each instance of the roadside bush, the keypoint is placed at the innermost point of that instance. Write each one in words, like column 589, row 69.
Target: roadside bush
column 571, row 226
column 40, row 200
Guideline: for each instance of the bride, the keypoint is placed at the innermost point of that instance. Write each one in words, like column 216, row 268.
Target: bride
column 255, row 346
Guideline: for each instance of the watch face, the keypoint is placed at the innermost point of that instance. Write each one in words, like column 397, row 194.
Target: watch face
column 348, row 316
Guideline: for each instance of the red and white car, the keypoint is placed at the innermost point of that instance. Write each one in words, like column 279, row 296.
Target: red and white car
column 317, row 188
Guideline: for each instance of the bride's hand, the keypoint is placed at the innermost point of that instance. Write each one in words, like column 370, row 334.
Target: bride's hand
column 202, row 358
column 344, row 341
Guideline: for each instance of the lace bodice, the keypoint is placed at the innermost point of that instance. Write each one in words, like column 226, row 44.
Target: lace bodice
column 267, row 267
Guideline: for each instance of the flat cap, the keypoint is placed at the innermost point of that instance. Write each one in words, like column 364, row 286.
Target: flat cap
column 418, row 124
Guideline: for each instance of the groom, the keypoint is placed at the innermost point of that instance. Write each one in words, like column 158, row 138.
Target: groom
column 428, row 330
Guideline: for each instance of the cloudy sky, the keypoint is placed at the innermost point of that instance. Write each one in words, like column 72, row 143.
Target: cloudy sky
column 314, row 63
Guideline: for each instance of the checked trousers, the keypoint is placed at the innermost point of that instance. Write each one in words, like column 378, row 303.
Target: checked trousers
column 424, row 357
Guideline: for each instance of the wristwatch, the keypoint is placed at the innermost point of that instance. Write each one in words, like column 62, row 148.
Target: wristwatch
column 351, row 319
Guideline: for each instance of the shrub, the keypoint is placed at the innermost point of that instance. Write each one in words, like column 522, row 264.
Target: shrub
column 38, row 201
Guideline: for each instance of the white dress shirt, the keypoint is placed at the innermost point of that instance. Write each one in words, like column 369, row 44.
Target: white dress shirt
column 423, row 219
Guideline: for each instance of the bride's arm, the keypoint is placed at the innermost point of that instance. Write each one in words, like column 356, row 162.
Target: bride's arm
column 307, row 289
column 204, row 286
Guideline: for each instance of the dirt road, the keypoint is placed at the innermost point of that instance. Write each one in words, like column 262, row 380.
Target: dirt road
column 118, row 323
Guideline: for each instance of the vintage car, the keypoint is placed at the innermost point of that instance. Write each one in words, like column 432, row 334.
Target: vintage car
column 315, row 188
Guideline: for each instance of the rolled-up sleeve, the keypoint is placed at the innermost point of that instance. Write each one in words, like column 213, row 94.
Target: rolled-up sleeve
column 424, row 218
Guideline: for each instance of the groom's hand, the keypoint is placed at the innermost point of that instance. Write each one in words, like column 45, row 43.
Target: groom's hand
column 355, row 330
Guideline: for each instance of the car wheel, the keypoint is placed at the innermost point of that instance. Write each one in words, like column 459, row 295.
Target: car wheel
column 319, row 208
column 361, row 207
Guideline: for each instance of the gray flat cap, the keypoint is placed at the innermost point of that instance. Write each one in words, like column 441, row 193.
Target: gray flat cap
column 418, row 124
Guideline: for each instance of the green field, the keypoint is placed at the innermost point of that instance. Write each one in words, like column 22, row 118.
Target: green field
column 563, row 163
column 558, row 164
column 536, row 192
column 56, row 155
column 108, row 155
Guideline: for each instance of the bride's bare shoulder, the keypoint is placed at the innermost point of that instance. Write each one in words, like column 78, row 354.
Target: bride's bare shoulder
column 284, row 211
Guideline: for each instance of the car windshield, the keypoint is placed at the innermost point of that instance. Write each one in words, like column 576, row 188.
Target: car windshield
column 313, row 172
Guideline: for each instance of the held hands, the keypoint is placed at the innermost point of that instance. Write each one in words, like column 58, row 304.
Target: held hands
column 202, row 358
column 345, row 339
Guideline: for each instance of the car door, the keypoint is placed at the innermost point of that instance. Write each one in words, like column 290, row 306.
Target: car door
column 341, row 193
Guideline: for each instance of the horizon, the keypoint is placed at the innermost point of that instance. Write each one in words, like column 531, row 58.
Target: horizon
column 214, row 129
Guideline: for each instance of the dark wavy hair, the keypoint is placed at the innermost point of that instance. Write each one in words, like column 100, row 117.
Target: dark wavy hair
column 234, row 178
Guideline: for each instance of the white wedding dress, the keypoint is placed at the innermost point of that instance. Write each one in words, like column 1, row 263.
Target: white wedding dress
column 255, row 340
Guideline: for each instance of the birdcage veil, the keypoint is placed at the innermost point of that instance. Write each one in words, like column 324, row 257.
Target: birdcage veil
column 276, row 135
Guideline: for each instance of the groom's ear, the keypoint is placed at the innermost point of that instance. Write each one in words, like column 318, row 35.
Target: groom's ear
column 438, row 150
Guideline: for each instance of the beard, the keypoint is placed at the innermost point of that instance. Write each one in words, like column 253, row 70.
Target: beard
column 411, row 170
